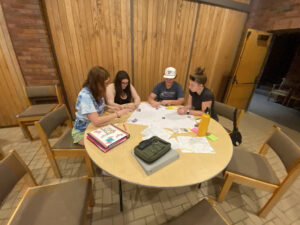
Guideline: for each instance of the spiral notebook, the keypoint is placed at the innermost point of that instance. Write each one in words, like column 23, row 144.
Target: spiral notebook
column 107, row 137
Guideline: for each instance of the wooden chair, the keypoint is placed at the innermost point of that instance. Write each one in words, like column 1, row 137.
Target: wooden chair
column 203, row 213
column 227, row 111
column 64, row 146
column 36, row 112
column 283, row 89
column 59, row 204
column 295, row 95
column 254, row 170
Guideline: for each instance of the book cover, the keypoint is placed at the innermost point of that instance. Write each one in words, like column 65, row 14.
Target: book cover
column 165, row 160
column 107, row 137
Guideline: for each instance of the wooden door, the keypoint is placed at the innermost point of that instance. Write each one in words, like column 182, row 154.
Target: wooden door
column 248, row 67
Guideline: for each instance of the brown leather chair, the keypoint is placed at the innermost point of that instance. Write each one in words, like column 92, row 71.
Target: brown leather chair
column 227, row 111
column 59, row 204
column 203, row 213
column 36, row 111
column 64, row 147
column 254, row 170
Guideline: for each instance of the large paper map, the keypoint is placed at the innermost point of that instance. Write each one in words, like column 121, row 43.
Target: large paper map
column 164, row 117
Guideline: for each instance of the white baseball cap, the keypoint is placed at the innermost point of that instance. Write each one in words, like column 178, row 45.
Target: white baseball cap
column 170, row 73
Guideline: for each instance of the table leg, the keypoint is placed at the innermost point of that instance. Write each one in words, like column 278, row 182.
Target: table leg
column 120, row 194
column 199, row 185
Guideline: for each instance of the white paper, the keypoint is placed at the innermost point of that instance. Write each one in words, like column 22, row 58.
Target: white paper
column 160, row 117
column 194, row 144
column 156, row 131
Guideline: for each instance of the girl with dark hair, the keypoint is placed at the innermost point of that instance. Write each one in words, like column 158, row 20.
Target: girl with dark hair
column 200, row 97
column 90, row 103
column 121, row 92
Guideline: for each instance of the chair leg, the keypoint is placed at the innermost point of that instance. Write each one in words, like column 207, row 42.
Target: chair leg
column 30, row 180
column 225, row 188
column 54, row 166
column 121, row 196
column 92, row 199
column 88, row 165
column 25, row 130
column 278, row 193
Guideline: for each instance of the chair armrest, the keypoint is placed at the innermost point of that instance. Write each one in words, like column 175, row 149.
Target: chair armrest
column 275, row 86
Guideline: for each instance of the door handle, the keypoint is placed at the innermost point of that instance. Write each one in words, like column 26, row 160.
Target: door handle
column 235, row 81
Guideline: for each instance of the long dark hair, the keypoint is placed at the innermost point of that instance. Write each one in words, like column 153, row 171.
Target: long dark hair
column 96, row 82
column 121, row 75
column 199, row 76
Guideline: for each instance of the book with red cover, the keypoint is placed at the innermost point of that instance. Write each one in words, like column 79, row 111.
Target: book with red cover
column 107, row 137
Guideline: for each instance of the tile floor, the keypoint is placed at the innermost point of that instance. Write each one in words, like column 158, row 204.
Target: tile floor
column 156, row 206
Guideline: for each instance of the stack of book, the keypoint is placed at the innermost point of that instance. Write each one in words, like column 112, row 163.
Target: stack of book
column 107, row 137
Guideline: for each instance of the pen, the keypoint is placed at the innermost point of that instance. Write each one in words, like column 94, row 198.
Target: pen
column 124, row 127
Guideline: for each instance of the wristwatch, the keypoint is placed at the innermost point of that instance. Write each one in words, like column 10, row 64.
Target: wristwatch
column 188, row 112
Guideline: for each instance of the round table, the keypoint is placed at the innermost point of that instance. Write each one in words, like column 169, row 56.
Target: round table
column 189, row 169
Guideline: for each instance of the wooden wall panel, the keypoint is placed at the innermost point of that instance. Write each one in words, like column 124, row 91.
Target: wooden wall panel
column 12, row 96
column 217, row 38
column 163, row 33
column 162, row 37
column 88, row 33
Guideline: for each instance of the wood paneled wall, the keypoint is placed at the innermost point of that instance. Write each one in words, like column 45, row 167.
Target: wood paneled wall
column 12, row 96
column 163, row 32
column 217, row 38
column 87, row 33
column 101, row 32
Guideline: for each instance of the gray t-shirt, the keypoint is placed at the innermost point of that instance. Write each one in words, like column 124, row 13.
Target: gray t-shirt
column 173, row 93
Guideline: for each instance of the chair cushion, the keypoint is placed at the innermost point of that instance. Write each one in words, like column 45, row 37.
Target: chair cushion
column 37, row 110
column 57, row 204
column 40, row 91
column 66, row 142
column 200, row 214
column 252, row 165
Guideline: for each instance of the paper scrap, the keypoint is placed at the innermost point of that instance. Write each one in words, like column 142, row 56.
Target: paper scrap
column 212, row 137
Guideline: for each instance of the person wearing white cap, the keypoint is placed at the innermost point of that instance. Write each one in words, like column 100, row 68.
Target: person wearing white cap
column 167, row 92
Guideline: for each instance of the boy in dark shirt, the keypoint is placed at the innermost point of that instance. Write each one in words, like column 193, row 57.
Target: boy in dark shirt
column 167, row 92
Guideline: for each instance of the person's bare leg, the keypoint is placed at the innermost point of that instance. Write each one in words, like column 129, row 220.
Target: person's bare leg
column 81, row 142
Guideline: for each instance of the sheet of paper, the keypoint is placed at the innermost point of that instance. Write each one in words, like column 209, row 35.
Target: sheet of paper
column 174, row 143
column 161, row 117
column 156, row 131
column 181, row 130
column 212, row 137
column 194, row 144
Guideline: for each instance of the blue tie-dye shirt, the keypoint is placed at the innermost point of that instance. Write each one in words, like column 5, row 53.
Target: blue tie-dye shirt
column 86, row 104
